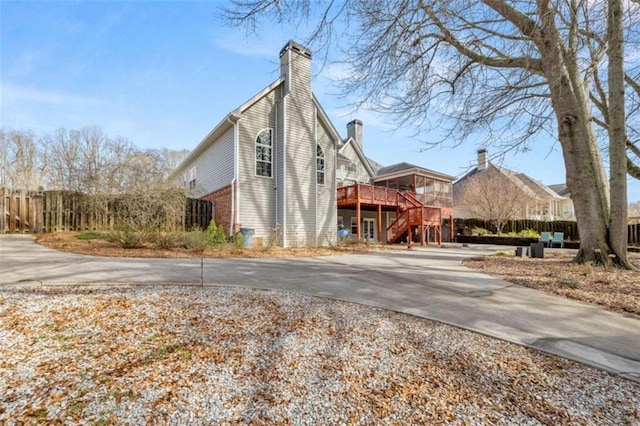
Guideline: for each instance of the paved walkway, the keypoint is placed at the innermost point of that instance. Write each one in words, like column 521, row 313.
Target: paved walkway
column 425, row 282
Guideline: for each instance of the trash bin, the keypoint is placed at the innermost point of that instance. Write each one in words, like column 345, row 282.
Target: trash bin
column 537, row 250
column 247, row 237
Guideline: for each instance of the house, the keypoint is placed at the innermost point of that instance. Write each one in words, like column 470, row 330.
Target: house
column 566, row 204
column 529, row 198
column 277, row 165
column 269, row 165
column 373, row 200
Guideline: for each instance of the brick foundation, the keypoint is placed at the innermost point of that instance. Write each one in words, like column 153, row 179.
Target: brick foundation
column 222, row 206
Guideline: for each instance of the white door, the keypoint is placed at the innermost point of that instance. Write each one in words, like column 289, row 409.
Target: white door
column 368, row 229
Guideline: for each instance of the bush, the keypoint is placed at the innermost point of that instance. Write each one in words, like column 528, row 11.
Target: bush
column 529, row 233
column 167, row 241
column 239, row 241
column 90, row 235
column 480, row 231
column 215, row 234
column 525, row 233
column 125, row 239
column 194, row 241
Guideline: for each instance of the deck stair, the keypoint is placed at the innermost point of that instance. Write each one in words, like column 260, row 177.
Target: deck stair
column 417, row 218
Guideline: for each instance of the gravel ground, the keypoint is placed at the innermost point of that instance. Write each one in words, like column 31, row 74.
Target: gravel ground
column 158, row 355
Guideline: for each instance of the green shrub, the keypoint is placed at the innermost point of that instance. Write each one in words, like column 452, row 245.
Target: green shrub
column 215, row 234
column 125, row 239
column 90, row 235
column 167, row 241
column 239, row 241
column 194, row 241
column 480, row 231
column 529, row 233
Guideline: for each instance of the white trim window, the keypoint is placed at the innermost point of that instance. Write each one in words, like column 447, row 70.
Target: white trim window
column 319, row 165
column 192, row 178
column 264, row 153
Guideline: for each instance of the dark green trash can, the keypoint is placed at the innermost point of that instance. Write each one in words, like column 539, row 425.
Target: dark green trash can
column 247, row 237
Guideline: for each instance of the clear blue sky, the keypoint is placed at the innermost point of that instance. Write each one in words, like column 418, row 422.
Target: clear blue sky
column 162, row 74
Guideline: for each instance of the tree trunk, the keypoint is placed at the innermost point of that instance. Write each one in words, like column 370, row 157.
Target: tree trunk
column 585, row 173
column 617, row 135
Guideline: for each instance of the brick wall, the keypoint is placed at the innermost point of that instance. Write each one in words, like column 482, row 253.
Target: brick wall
column 222, row 206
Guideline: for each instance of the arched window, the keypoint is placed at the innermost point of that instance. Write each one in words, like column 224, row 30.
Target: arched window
column 319, row 165
column 264, row 150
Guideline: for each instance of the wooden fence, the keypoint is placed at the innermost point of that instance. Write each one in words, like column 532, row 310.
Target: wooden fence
column 21, row 210
column 52, row 211
column 198, row 213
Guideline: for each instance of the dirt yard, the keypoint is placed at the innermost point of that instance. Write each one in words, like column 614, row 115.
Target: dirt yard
column 615, row 289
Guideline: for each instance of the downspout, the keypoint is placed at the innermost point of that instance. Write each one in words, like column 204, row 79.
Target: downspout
column 284, row 173
column 315, row 178
column 233, row 119
column 274, row 156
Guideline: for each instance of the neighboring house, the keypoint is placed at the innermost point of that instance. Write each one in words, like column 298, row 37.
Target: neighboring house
column 566, row 204
column 277, row 165
column 538, row 202
column 269, row 165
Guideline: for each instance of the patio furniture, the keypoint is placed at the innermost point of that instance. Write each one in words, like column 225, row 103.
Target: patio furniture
column 545, row 238
column 558, row 238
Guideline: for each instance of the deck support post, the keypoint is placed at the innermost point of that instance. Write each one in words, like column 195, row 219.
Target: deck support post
column 421, row 226
column 379, row 223
column 451, row 233
column 358, row 216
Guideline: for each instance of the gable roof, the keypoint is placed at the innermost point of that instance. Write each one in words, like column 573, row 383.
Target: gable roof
column 231, row 118
column 560, row 189
column 531, row 186
column 363, row 158
column 403, row 169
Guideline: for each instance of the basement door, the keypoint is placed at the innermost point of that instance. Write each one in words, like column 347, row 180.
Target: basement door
column 368, row 229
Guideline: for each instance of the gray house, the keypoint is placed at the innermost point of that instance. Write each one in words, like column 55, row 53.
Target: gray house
column 270, row 164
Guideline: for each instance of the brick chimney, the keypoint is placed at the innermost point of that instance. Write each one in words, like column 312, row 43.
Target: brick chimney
column 354, row 130
column 483, row 161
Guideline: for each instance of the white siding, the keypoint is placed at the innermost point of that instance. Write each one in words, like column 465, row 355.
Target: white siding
column 358, row 174
column 257, row 207
column 300, row 157
column 326, row 212
column 214, row 168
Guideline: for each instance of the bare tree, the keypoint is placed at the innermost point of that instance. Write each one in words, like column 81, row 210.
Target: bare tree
column 492, row 195
column 22, row 160
column 507, row 69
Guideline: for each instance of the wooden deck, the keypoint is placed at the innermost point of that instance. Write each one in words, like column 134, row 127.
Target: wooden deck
column 371, row 196
column 412, row 215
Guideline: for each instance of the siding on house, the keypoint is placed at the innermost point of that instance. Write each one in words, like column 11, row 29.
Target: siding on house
column 256, row 194
column 327, row 217
column 214, row 168
column 355, row 171
column 300, row 180
column 280, row 169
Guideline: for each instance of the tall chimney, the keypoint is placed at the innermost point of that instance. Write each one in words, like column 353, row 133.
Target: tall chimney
column 483, row 161
column 295, row 67
column 354, row 130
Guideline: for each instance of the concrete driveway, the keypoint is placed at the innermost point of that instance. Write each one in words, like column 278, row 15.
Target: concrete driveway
column 425, row 282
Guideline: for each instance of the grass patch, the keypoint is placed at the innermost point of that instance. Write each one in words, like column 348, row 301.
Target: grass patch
column 40, row 414
column 76, row 406
column 91, row 235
